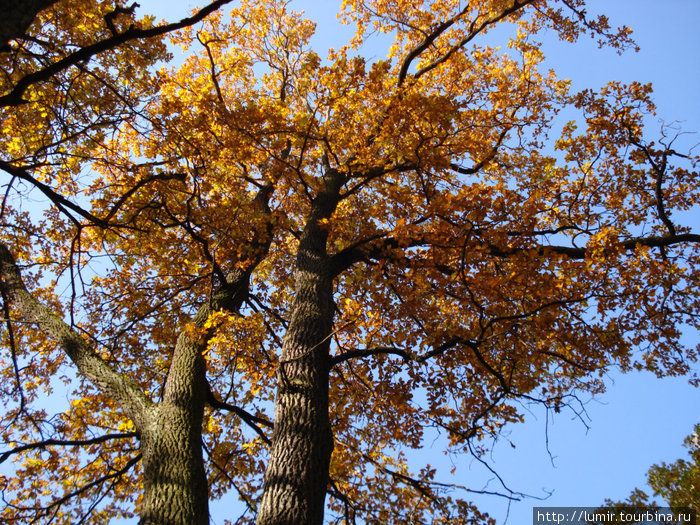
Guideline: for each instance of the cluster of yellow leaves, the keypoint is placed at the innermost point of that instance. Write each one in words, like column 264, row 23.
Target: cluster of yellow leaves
column 64, row 117
column 48, row 478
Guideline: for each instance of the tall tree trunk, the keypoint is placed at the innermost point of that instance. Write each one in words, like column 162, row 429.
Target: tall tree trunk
column 296, row 478
column 297, row 473
column 175, row 482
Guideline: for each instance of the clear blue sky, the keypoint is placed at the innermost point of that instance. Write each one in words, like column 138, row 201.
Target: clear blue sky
column 640, row 420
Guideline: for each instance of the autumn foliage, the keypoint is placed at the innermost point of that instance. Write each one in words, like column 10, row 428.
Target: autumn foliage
column 269, row 272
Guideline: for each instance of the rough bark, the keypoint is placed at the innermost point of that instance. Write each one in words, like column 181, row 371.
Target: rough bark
column 175, row 483
column 296, row 477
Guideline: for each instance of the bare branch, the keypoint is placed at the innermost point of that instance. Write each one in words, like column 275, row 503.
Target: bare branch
column 57, row 199
column 659, row 172
column 251, row 420
column 66, row 443
column 366, row 352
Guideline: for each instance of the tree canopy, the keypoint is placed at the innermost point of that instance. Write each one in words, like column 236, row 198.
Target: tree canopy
column 677, row 483
column 264, row 273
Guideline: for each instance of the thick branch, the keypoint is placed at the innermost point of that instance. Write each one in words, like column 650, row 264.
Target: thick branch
column 659, row 172
column 378, row 247
column 187, row 374
column 427, row 41
column 381, row 248
column 16, row 17
column 57, row 199
column 14, row 97
column 405, row 355
column 629, row 245
column 114, row 384
column 159, row 176
column 366, row 352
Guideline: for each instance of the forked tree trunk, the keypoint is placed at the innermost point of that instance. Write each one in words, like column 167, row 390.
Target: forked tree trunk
column 174, row 478
column 175, row 483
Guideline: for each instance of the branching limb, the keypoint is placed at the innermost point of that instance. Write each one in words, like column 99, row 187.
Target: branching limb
column 425, row 44
column 65, row 206
column 224, row 473
column 488, row 158
column 116, row 385
column 213, row 73
column 474, row 30
column 118, row 10
column 595, row 28
column 349, row 507
column 14, row 97
column 57, row 199
column 375, row 248
column 652, row 241
column 252, row 421
column 659, row 169
column 366, row 352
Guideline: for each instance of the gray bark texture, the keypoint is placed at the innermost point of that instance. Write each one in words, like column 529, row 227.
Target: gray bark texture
column 296, row 478
column 174, row 479
column 175, row 483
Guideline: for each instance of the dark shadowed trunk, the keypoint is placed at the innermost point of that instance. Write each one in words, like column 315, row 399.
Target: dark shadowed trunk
column 297, row 473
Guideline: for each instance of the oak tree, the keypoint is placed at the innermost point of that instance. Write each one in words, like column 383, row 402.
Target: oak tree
column 266, row 273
